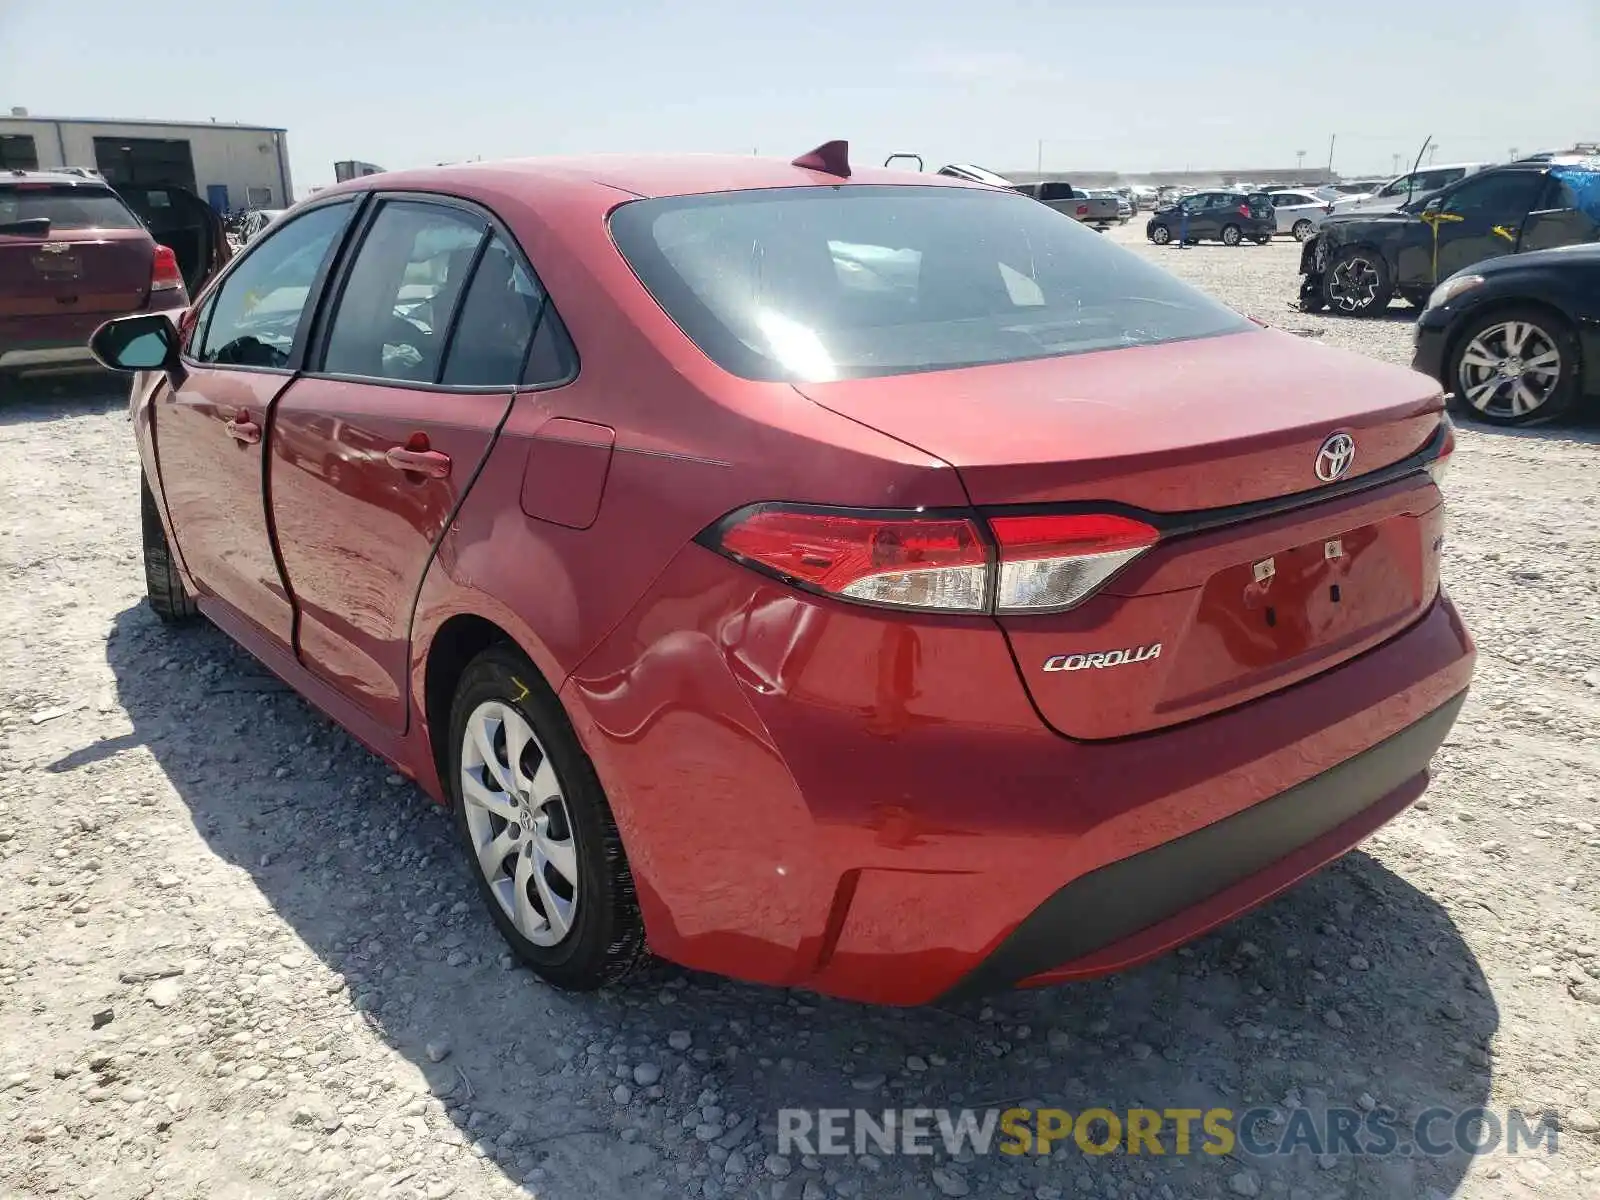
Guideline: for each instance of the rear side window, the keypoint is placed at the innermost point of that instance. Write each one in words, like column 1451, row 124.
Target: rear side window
column 1497, row 196
column 65, row 206
column 395, row 309
column 503, row 307
column 825, row 283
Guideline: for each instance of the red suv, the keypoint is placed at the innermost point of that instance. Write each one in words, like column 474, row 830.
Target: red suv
column 73, row 252
column 868, row 582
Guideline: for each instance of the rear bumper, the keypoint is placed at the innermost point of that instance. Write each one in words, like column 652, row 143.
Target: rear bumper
column 1135, row 908
column 62, row 339
column 868, row 805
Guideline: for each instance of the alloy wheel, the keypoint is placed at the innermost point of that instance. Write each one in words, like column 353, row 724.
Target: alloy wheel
column 1230, row 236
column 517, row 817
column 1510, row 369
column 1353, row 286
column 1160, row 235
column 1302, row 230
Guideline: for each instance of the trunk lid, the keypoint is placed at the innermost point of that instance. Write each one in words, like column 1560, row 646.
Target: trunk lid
column 1228, row 606
column 95, row 256
column 1169, row 428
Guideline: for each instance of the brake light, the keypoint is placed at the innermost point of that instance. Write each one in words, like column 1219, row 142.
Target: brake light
column 164, row 273
column 1440, row 466
column 902, row 560
column 1244, row 210
column 1048, row 563
column 911, row 560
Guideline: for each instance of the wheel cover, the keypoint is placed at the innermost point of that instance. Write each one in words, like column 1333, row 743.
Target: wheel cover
column 1353, row 285
column 1302, row 230
column 1510, row 369
column 1230, row 236
column 518, row 821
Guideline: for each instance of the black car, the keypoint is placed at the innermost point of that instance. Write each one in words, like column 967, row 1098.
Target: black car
column 1355, row 264
column 1222, row 216
column 1516, row 340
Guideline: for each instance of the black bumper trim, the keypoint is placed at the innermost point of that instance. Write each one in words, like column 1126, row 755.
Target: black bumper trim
column 1121, row 898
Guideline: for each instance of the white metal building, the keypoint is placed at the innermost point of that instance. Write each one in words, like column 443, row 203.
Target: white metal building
column 232, row 166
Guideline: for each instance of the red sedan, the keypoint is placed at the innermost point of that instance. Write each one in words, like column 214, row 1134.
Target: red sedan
column 861, row 581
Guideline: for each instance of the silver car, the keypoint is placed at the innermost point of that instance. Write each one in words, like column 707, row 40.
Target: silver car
column 1298, row 213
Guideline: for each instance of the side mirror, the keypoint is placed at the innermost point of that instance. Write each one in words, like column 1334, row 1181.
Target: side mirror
column 146, row 342
column 1433, row 206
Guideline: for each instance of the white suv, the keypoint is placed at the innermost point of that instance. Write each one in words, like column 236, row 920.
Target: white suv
column 1408, row 187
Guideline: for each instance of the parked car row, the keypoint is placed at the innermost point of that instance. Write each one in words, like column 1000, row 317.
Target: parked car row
column 1505, row 268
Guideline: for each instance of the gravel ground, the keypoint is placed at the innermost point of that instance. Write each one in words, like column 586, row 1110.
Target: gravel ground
column 239, row 958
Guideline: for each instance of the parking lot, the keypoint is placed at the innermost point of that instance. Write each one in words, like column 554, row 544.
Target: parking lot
column 239, row 958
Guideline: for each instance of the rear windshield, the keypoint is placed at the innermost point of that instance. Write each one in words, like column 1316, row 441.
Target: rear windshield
column 807, row 284
column 66, row 206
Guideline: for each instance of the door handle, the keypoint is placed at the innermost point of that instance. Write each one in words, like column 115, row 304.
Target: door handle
column 242, row 429
column 433, row 463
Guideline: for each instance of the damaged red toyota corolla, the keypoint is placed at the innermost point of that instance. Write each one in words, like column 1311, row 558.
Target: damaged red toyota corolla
column 868, row 582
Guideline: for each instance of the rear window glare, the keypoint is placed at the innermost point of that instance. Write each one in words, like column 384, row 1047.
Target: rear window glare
column 66, row 206
column 810, row 284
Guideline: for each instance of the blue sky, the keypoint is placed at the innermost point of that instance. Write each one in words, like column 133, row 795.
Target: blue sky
column 1126, row 84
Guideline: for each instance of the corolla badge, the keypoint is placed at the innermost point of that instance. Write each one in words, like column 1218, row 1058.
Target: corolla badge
column 1335, row 457
column 1105, row 658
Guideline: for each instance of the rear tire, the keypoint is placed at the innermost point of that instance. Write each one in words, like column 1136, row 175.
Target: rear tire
column 1303, row 229
column 163, row 586
column 1231, row 235
column 554, row 813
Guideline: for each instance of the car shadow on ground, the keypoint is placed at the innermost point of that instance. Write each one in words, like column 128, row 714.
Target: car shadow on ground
column 1352, row 992
column 1582, row 425
column 38, row 398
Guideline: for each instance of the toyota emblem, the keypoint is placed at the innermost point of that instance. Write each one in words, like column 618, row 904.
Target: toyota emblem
column 1335, row 457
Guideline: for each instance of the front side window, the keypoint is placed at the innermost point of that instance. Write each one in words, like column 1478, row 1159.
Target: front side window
column 256, row 317
column 1499, row 196
column 394, row 311
column 821, row 283
column 65, row 206
column 1401, row 186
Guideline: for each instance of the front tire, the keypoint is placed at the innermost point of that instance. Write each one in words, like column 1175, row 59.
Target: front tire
column 1161, row 235
column 1231, row 235
column 1357, row 283
column 1517, row 366
column 538, row 833
column 163, row 586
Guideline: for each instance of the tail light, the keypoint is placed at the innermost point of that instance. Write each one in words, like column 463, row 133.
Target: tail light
column 164, row 273
column 1244, row 210
column 935, row 562
column 1052, row 562
column 1440, row 466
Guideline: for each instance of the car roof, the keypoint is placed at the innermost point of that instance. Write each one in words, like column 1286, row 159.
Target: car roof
column 635, row 175
column 54, row 178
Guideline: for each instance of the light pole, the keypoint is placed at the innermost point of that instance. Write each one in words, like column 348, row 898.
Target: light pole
column 1433, row 152
column 1396, row 169
column 1038, row 165
column 1299, row 162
